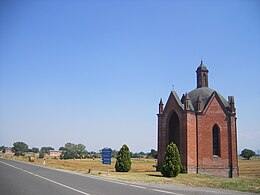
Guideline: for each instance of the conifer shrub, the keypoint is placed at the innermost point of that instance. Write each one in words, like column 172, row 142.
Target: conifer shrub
column 123, row 160
column 172, row 163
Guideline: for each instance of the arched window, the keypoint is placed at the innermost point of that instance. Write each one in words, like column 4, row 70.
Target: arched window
column 204, row 80
column 216, row 140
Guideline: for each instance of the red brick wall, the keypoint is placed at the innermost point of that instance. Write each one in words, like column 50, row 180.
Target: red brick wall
column 191, row 143
column 214, row 114
column 234, row 146
column 207, row 163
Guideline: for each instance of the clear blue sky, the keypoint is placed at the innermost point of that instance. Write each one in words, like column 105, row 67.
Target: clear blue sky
column 92, row 72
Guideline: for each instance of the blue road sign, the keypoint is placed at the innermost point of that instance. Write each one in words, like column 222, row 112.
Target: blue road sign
column 106, row 155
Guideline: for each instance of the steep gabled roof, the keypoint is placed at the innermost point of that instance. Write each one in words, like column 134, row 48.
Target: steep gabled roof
column 219, row 99
column 176, row 98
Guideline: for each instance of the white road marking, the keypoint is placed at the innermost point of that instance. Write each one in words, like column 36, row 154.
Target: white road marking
column 55, row 182
column 118, row 182
column 142, row 187
column 167, row 192
column 125, row 184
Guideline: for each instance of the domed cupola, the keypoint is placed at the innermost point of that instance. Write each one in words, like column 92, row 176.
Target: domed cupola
column 202, row 75
column 200, row 96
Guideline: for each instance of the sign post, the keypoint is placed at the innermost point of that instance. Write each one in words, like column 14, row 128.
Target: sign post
column 106, row 156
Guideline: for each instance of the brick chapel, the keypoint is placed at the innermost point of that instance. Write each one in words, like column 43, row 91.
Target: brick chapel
column 203, row 126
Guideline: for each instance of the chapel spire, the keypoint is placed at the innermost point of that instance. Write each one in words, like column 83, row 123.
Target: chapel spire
column 161, row 106
column 202, row 75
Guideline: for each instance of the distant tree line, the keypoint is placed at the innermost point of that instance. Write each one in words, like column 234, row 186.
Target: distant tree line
column 74, row 151
column 71, row 151
column 2, row 148
column 152, row 154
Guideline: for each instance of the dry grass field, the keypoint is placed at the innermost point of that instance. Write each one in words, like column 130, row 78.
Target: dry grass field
column 143, row 171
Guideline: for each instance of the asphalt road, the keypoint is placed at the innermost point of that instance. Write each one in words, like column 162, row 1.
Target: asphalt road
column 19, row 178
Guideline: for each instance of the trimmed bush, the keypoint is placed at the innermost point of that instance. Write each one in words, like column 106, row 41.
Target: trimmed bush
column 172, row 163
column 123, row 160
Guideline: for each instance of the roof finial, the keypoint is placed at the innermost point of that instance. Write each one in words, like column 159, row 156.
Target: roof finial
column 201, row 60
column 172, row 87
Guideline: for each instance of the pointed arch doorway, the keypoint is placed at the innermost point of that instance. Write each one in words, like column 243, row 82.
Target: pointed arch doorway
column 174, row 129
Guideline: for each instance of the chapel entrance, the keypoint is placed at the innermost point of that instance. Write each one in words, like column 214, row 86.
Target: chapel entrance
column 174, row 129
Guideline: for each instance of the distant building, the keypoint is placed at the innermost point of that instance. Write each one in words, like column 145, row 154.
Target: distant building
column 54, row 153
column 203, row 126
column 29, row 154
column 8, row 151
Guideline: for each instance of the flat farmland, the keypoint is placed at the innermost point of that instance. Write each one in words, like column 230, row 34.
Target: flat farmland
column 249, row 168
column 143, row 171
column 95, row 165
